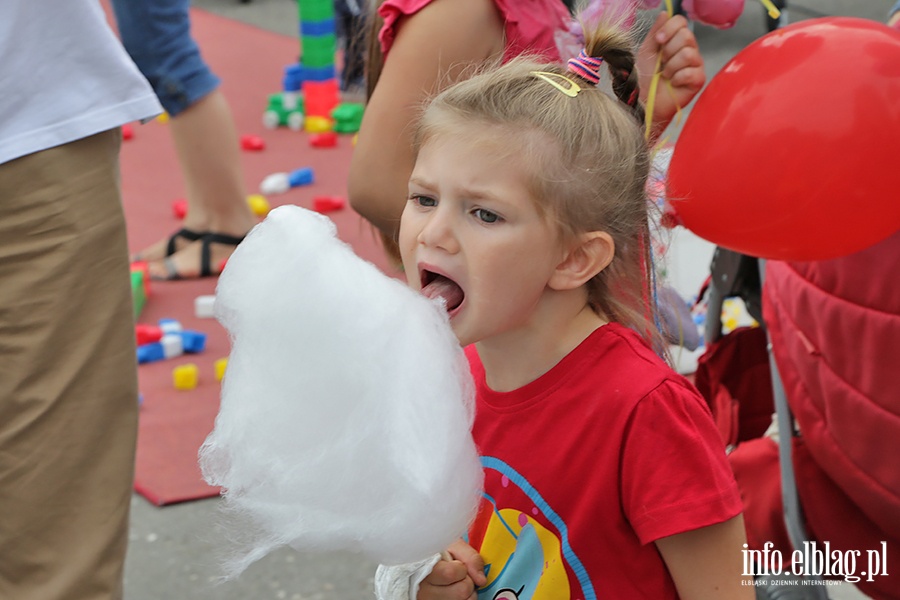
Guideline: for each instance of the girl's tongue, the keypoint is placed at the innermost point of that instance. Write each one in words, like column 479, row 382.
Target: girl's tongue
column 441, row 287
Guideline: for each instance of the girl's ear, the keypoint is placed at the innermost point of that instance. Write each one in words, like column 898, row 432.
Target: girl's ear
column 588, row 256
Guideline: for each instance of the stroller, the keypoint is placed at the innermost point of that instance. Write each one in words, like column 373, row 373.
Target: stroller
column 828, row 485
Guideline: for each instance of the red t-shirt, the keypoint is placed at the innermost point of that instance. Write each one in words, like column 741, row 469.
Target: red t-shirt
column 531, row 25
column 587, row 466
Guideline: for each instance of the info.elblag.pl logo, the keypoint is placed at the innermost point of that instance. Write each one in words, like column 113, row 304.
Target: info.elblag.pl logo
column 816, row 561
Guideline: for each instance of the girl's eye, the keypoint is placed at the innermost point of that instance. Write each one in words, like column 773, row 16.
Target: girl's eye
column 486, row 216
column 423, row 201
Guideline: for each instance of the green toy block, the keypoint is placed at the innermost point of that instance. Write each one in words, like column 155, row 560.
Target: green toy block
column 279, row 115
column 347, row 117
column 138, row 292
column 318, row 51
column 315, row 10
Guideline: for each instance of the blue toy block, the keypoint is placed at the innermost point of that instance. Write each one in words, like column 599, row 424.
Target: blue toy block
column 169, row 326
column 323, row 27
column 293, row 78
column 318, row 73
column 194, row 341
column 150, row 353
column 302, row 176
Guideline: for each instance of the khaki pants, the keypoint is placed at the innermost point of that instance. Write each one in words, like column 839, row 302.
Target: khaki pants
column 68, row 375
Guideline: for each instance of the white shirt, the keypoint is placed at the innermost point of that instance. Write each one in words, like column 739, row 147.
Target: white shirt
column 63, row 76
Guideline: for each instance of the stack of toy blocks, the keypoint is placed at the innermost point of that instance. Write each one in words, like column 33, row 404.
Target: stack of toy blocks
column 310, row 91
column 318, row 45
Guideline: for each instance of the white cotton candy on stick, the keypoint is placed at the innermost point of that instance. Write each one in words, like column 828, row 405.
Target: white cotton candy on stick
column 346, row 412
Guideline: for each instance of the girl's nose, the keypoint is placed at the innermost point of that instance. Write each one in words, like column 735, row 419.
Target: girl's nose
column 439, row 231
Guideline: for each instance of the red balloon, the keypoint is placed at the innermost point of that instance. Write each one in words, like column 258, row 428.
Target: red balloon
column 792, row 151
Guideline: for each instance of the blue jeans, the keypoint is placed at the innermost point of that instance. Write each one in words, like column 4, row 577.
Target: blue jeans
column 157, row 35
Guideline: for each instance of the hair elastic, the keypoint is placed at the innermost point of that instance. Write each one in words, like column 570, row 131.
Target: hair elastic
column 586, row 67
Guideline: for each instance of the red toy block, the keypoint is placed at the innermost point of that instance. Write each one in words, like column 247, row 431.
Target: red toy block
column 179, row 208
column 327, row 139
column 253, row 143
column 127, row 131
column 320, row 97
column 147, row 334
column 141, row 265
column 324, row 204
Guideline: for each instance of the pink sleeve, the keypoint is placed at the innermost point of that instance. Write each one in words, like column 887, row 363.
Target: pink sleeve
column 675, row 476
column 530, row 25
column 391, row 11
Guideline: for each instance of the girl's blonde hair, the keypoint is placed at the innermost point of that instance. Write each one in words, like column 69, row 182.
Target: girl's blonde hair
column 589, row 161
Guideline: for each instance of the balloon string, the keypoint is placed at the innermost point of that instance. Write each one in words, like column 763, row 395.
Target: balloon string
column 773, row 10
column 654, row 84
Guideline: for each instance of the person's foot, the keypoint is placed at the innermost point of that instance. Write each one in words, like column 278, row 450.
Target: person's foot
column 202, row 258
column 176, row 242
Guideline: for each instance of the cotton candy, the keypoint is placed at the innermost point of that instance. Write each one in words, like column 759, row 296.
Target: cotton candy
column 346, row 410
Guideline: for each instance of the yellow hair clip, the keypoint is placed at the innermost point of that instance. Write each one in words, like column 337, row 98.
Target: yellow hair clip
column 555, row 79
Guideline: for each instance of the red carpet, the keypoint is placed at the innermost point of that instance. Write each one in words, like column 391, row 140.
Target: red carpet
column 250, row 61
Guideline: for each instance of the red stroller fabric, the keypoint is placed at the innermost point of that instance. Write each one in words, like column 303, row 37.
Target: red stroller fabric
column 733, row 375
column 835, row 332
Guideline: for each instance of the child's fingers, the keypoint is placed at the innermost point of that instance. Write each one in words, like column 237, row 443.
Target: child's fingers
column 668, row 28
column 466, row 554
column 448, row 580
column 681, row 39
column 661, row 20
column 447, row 573
column 685, row 69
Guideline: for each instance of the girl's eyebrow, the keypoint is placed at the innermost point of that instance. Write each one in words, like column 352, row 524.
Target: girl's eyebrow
column 478, row 194
column 419, row 182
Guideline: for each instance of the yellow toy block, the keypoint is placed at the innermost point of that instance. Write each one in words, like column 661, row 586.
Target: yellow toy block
column 318, row 124
column 220, row 365
column 186, row 377
column 163, row 118
column 258, row 204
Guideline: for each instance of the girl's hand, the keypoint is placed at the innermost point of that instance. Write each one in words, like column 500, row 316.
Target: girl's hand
column 457, row 578
column 682, row 67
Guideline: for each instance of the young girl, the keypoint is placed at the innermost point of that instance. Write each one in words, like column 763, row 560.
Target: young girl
column 604, row 475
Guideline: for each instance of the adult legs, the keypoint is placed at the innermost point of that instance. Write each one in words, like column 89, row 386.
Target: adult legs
column 156, row 34
column 68, row 378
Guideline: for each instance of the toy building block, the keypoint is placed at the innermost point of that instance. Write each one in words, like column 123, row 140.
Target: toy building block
column 284, row 109
column 193, row 342
column 320, row 97
column 186, row 377
column 127, row 132
column 347, row 117
column 220, row 366
column 278, row 183
column 147, row 334
column 316, row 124
column 258, row 204
column 140, row 286
column 253, row 143
column 179, row 208
column 138, row 293
column 326, row 139
column 203, row 306
column 170, row 326
column 324, row 204
column 169, row 346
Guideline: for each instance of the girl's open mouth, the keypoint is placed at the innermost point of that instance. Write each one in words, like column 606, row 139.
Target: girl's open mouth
column 434, row 286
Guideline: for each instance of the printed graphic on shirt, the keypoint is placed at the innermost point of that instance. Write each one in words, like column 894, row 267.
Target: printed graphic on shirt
column 524, row 542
